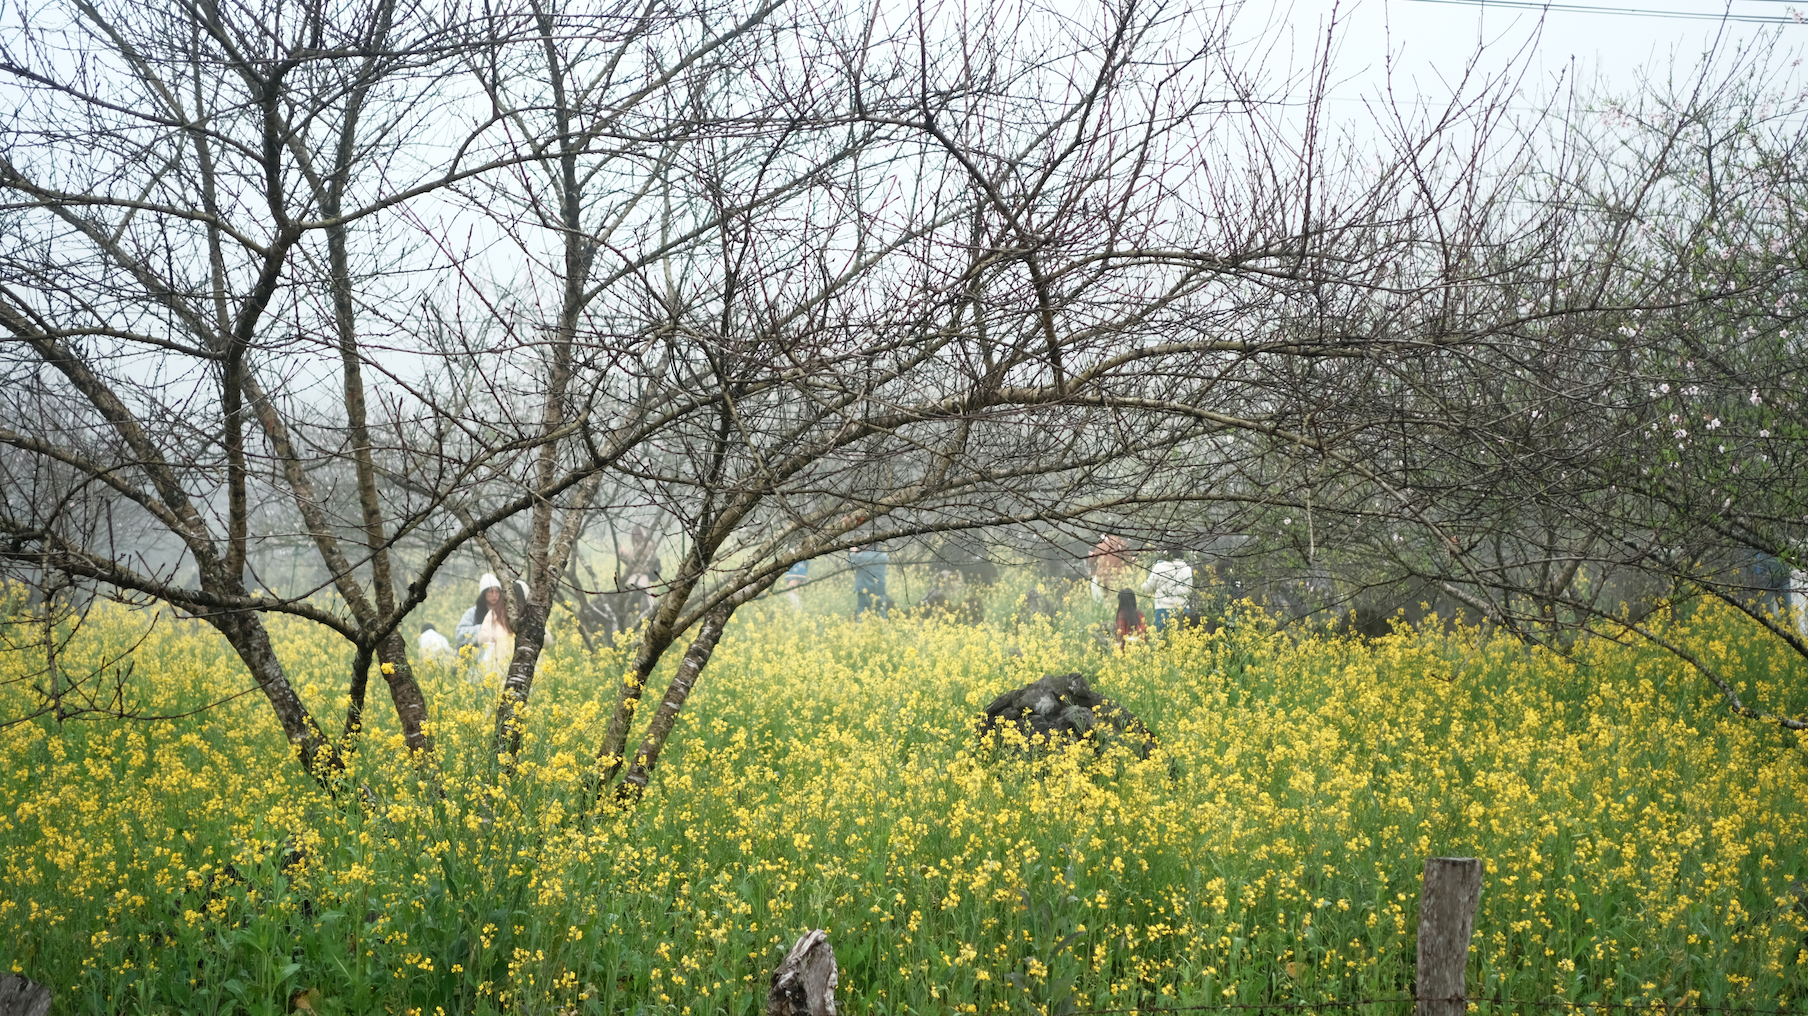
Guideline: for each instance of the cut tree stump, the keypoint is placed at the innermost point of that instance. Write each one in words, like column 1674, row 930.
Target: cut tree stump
column 1453, row 888
column 804, row 984
column 21, row 997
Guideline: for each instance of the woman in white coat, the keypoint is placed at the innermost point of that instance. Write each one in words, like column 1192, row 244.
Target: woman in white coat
column 486, row 625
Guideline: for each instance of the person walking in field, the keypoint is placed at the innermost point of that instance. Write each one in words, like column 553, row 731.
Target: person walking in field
column 1130, row 624
column 1110, row 559
column 869, row 579
column 486, row 625
column 798, row 574
column 1170, row 583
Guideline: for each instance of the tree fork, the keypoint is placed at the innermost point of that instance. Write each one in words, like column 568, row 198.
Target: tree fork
column 660, row 634
column 248, row 637
column 689, row 668
column 405, row 692
column 658, row 638
column 534, row 611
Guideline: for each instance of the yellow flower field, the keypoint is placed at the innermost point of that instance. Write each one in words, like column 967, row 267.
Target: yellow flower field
column 1641, row 845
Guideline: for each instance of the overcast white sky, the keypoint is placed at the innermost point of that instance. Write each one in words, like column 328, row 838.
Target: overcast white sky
column 1433, row 39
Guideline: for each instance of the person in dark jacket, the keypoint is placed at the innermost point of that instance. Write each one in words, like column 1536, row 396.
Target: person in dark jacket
column 869, row 579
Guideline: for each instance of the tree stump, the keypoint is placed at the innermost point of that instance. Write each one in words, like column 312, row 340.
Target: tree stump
column 1063, row 708
column 804, row 984
column 21, row 997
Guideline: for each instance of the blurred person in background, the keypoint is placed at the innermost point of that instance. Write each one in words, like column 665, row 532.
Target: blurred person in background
column 1110, row 559
column 798, row 574
column 869, row 579
column 1170, row 583
column 434, row 647
column 1798, row 598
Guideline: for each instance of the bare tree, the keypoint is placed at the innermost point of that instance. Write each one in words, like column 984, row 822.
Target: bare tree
column 1066, row 284
column 217, row 236
column 166, row 186
column 1608, row 420
column 598, row 118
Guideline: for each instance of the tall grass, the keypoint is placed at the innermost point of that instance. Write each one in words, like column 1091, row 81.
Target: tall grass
column 1641, row 845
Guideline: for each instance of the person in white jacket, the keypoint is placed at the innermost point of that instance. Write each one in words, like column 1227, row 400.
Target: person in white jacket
column 1170, row 583
column 486, row 625
column 434, row 647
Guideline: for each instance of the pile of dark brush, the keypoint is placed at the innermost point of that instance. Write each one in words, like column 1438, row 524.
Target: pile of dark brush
column 1063, row 709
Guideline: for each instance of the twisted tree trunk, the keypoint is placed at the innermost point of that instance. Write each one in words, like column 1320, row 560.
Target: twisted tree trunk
column 695, row 658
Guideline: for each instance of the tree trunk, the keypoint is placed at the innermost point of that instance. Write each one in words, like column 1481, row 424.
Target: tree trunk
column 533, row 611
column 653, row 644
column 804, row 984
column 248, row 637
column 354, row 699
column 405, row 692
column 530, row 639
column 695, row 658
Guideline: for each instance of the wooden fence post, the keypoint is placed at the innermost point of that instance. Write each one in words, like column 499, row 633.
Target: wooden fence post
column 804, row 984
column 21, row 997
column 1447, row 903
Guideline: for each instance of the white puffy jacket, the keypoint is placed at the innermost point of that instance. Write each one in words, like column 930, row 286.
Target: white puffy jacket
column 1170, row 582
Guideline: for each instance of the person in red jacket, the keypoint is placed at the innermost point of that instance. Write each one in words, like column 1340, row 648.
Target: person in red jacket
column 1110, row 559
column 1129, row 619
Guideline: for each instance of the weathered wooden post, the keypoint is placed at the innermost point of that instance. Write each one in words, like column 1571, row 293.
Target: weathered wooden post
column 804, row 984
column 21, row 997
column 1447, row 902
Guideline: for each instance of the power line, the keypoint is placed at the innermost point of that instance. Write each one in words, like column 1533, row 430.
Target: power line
column 1635, row 12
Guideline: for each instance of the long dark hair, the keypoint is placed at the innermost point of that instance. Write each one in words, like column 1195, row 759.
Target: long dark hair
column 1126, row 608
column 483, row 607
